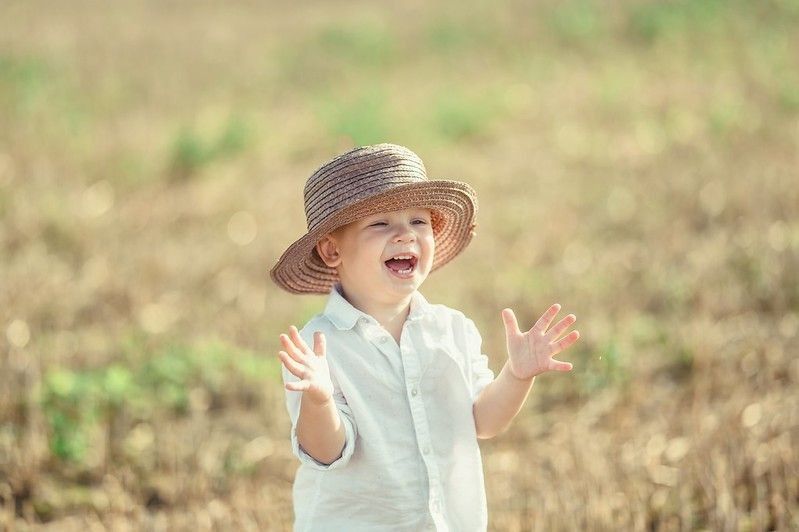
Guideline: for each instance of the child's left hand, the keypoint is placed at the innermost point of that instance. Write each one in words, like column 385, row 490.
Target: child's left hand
column 530, row 353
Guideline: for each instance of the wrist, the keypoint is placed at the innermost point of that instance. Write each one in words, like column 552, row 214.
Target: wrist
column 316, row 402
column 516, row 378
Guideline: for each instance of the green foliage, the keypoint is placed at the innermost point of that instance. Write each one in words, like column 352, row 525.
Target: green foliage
column 367, row 44
column 728, row 114
column 77, row 403
column 446, row 35
column 191, row 151
column 63, row 392
column 363, row 120
column 32, row 86
column 457, row 116
column 789, row 96
column 576, row 21
column 234, row 139
column 653, row 20
column 23, row 81
column 334, row 53
column 609, row 368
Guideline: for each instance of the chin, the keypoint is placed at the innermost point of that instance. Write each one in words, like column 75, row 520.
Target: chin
column 407, row 286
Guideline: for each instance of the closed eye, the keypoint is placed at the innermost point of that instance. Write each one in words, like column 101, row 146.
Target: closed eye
column 416, row 222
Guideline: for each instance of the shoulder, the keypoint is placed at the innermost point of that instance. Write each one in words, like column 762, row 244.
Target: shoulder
column 317, row 323
column 453, row 319
column 320, row 323
column 442, row 311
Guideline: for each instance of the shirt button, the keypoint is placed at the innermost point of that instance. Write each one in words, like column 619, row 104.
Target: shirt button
column 383, row 339
column 426, row 450
column 414, row 391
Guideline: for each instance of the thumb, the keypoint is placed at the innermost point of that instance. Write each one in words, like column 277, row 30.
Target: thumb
column 319, row 346
column 511, row 325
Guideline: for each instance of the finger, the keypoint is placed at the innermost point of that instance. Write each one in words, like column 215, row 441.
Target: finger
column 511, row 325
column 561, row 326
column 559, row 365
column 319, row 344
column 292, row 349
column 565, row 342
column 546, row 318
column 298, row 370
column 298, row 341
column 299, row 386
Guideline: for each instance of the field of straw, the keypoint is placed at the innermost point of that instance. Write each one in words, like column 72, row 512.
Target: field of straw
column 635, row 161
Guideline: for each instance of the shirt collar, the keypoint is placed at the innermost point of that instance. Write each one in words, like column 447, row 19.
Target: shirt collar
column 344, row 316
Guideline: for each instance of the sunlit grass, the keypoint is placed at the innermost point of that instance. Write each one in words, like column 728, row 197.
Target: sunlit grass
column 174, row 380
column 634, row 162
column 191, row 150
column 363, row 119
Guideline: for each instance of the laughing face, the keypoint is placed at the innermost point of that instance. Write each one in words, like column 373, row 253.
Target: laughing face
column 384, row 256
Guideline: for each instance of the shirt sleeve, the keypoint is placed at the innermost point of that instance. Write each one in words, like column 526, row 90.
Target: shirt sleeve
column 293, row 404
column 479, row 372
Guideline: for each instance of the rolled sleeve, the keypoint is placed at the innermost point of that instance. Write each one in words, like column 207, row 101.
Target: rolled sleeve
column 293, row 405
column 349, row 441
column 480, row 374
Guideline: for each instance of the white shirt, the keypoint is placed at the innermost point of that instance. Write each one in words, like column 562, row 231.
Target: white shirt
column 410, row 460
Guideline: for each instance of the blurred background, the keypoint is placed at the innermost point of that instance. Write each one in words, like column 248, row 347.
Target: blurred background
column 636, row 161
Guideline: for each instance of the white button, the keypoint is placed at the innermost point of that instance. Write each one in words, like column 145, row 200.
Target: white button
column 383, row 339
column 414, row 391
column 426, row 450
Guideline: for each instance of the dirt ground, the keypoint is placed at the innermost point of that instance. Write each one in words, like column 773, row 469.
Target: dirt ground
column 635, row 161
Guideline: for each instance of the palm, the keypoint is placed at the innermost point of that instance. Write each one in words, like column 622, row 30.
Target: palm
column 310, row 366
column 531, row 353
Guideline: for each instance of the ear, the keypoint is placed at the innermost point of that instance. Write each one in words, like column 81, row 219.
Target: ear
column 327, row 248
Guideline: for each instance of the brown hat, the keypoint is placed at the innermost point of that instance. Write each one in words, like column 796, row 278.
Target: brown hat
column 365, row 181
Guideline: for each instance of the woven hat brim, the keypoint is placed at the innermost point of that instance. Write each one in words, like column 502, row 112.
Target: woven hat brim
column 300, row 270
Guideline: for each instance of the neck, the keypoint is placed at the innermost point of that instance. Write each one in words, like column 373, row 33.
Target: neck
column 390, row 314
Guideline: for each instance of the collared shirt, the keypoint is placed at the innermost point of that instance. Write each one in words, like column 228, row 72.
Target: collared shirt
column 410, row 459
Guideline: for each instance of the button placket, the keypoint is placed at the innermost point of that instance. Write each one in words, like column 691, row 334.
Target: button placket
column 412, row 367
column 377, row 337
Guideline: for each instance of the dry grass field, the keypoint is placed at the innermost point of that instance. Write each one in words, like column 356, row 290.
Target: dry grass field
column 636, row 161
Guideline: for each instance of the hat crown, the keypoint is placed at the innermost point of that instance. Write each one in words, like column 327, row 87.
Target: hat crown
column 358, row 174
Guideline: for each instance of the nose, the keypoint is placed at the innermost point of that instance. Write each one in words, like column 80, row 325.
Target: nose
column 404, row 233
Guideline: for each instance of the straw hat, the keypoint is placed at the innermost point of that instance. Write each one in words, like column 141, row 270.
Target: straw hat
column 365, row 181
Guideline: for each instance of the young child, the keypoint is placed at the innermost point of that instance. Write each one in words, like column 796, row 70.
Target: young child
column 387, row 406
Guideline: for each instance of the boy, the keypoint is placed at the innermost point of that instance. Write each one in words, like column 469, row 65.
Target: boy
column 387, row 406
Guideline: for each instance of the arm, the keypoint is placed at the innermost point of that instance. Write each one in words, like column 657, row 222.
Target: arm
column 320, row 431
column 529, row 354
column 499, row 402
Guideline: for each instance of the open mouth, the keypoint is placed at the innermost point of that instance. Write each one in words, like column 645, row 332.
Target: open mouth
column 402, row 265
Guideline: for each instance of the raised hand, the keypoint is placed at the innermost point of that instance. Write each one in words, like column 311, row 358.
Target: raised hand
column 310, row 366
column 530, row 353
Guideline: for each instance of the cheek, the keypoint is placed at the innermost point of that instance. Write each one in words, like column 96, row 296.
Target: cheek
column 429, row 243
column 370, row 251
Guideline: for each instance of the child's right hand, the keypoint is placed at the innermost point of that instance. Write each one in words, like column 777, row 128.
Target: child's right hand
column 307, row 365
